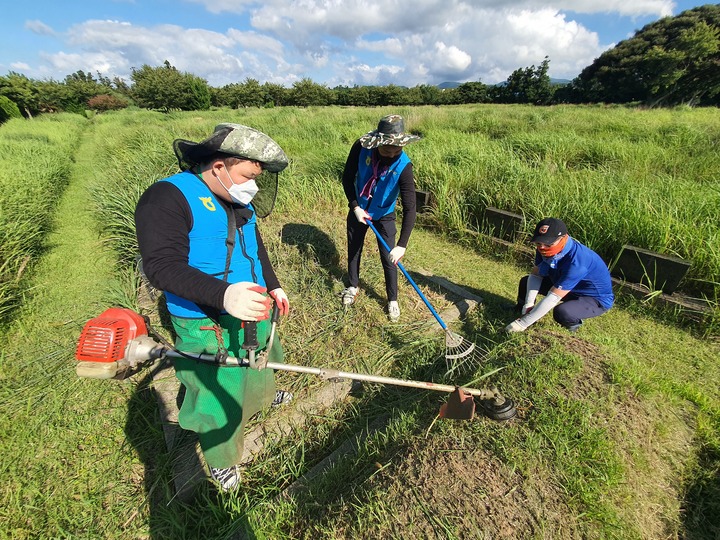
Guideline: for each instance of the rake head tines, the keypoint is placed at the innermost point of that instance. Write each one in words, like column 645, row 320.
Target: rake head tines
column 459, row 352
column 457, row 346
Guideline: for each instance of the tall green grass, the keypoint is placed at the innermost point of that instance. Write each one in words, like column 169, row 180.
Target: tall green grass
column 615, row 175
column 35, row 160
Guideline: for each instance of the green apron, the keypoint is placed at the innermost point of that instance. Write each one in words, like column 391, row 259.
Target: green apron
column 219, row 400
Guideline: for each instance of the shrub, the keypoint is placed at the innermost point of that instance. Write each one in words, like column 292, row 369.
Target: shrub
column 106, row 102
column 8, row 109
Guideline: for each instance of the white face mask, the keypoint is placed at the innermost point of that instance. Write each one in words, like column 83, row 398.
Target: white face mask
column 241, row 193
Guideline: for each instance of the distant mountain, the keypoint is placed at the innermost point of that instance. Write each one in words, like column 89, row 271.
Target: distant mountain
column 448, row 84
column 454, row 84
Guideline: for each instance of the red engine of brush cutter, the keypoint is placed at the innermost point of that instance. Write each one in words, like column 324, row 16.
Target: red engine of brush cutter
column 103, row 347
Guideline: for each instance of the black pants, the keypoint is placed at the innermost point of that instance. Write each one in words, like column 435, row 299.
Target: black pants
column 356, row 239
column 573, row 308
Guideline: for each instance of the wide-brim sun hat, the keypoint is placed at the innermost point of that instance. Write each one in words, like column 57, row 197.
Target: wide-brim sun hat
column 390, row 132
column 234, row 140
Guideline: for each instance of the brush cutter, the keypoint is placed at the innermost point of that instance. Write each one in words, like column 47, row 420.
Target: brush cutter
column 456, row 347
column 116, row 344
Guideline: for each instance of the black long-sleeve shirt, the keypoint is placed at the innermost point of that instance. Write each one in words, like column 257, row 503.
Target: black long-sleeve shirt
column 163, row 221
column 407, row 190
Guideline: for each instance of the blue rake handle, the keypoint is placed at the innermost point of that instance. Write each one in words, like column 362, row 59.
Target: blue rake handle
column 412, row 282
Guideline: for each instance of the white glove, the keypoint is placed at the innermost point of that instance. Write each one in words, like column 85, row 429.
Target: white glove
column 515, row 326
column 527, row 308
column 396, row 254
column 361, row 215
column 281, row 300
column 246, row 302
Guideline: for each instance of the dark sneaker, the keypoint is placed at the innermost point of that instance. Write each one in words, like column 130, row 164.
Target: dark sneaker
column 227, row 478
column 574, row 328
column 281, row 398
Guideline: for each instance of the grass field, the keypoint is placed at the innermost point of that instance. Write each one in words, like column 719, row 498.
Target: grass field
column 618, row 432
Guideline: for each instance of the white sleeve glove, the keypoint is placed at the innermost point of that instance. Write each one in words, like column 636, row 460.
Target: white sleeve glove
column 515, row 326
column 396, row 254
column 533, row 287
column 361, row 215
column 246, row 302
column 281, row 300
column 539, row 311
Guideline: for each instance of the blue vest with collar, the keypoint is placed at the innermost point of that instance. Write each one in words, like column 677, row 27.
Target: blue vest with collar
column 207, row 238
column 386, row 190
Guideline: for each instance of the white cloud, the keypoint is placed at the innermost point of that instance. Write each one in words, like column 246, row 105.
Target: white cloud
column 365, row 75
column 102, row 62
column 631, row 8
column 220, row 58
column 390, row 46
column 39, row 28
column 350, row 41
column 228, row 6
column 451, row 58
column 254, row 41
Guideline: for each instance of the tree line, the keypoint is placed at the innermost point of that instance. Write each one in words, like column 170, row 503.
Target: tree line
column 675, row 60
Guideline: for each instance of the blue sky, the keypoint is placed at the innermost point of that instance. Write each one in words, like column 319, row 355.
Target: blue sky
column 333, row 42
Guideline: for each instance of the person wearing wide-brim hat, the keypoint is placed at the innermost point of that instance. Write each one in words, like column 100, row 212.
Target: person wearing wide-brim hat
column 377, row 170
column 199, row 241
column 574, row 279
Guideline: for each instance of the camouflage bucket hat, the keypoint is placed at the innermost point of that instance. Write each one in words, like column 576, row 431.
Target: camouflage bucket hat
column 233, row 140
column 390, row 132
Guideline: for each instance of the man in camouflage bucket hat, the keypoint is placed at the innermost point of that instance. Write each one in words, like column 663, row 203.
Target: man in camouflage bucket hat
column 377, row 170
column 199, row 241
column 234, row 140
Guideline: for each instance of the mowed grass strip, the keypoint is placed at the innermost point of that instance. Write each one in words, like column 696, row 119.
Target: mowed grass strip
column 35, row 162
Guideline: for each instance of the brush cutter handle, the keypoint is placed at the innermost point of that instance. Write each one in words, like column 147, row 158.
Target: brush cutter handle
column 250, row 340
column 412, row 282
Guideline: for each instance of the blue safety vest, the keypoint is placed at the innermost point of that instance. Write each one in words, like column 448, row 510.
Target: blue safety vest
column 208, row 239
column 385, row 194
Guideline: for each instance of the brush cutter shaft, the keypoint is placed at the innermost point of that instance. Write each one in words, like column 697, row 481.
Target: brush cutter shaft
column 412, row 282
column 336, row 374
column 424, row 385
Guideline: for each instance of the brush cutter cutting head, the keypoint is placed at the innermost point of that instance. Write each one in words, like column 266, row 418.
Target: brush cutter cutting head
column 459, row 406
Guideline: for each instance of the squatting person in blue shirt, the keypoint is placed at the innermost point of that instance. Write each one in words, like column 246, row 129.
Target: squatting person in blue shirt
column 574, row 279
column 199, row 240
column 377, row 170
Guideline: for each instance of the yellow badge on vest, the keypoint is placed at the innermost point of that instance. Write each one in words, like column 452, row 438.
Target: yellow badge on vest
column 208, row 203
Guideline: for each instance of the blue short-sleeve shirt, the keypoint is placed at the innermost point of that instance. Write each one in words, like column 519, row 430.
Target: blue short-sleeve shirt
column 579, row 269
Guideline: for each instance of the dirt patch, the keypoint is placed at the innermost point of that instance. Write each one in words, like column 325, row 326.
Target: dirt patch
column 439, row 491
